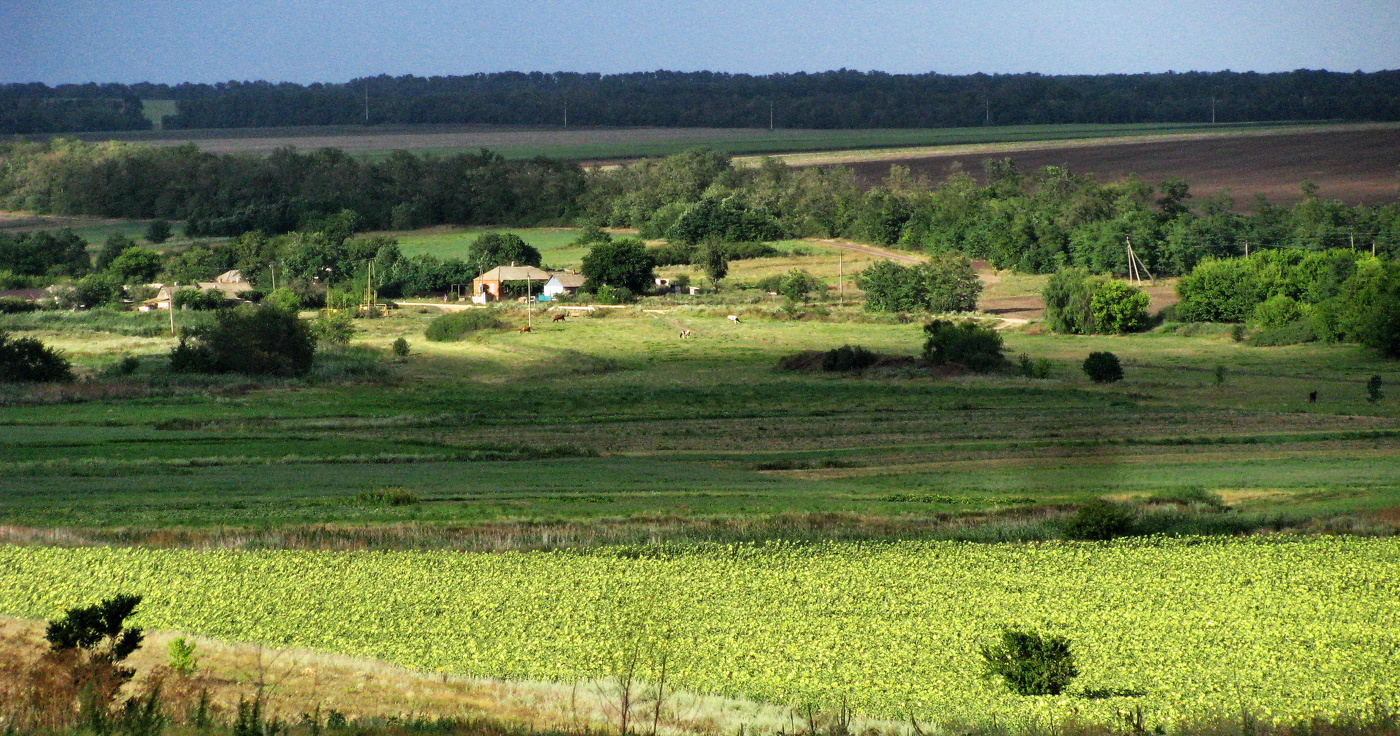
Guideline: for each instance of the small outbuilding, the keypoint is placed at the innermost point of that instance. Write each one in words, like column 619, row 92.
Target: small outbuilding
column 560, row 283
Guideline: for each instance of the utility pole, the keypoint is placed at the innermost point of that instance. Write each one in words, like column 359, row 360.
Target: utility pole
column 841, row 289
column 366, row 101
column 770, row 115
column 173, row 287
column 566, row 113
column 1212, row 108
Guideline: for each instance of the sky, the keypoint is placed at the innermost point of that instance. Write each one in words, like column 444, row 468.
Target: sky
column 171, row 41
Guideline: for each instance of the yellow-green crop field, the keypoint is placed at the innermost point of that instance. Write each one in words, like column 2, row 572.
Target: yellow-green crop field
column 1184, row 628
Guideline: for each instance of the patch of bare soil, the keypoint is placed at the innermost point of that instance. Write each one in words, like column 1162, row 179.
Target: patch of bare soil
column 1356, row 166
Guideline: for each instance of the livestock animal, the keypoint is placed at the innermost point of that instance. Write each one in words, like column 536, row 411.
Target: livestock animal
column 559, row 317
column 685, row 333
column 525, row 329
column 733, row 318
column 1312, row 398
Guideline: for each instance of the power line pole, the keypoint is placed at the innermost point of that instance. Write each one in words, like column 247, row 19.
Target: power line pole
column 366, row 101
column 841, row 290
column 770, row 115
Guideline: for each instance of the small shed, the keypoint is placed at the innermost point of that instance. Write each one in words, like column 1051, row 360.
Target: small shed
column 487, row 286
column 565, row 282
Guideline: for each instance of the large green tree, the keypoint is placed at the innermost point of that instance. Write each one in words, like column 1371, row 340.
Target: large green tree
column 623, row 263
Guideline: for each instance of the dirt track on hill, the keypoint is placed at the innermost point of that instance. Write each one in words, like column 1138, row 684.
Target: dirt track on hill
column 1355, row 166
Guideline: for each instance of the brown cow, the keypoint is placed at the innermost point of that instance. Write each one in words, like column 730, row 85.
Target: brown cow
column 525, row 329
column 559, row 317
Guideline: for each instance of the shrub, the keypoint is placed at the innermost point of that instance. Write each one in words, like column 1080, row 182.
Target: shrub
column 158, row 231
column 1290, row 334
column 797, row 284
column 967, row 344
column 945, row 283
column 333, row 327
column 1277, row 311
column 1031, row 663
column 252, row 340
column 1077, row 303
column 25, row 359
column 400, row 348
column 16, row 305
column 848, row 358
column 283, row 298
column 1098, row 520
column 457, row 325
column 1035, row 368
column 614, row 295
column 1103, row 367
column 592, row 234
column 1218, row 291
column 1373, row 389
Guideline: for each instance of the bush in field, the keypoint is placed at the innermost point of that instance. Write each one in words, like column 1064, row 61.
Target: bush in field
column 1031, row 663
column 592, row 234
column 400, row 348
column 1103, row 367
column 1290, row 334
column 333, row 327
column 1277, row 311
column 284, row 299
column 25, row 359
column 1035, row 367
column 796, row 285
column 158, row 231
column 252, row 340
column 1077, row 303
column 457, row 325
column 946, row 283
column 1099, row 520
column 16, row 305
column 967, row 344
column 848, row 358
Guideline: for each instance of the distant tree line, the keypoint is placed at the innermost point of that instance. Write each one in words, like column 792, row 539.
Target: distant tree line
column 284, row 191
column 832, row 99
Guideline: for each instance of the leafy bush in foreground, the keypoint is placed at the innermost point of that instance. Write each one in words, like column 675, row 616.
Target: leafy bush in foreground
column 1031, row 663
column 1099, row 520
column 248, row 340
column 455, row 326
column 27, row 359
column 848, row 358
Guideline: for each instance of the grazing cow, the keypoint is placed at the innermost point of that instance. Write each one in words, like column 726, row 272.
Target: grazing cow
column 733, row 318
column 559, row 317
column 685, row 333
column 1312, row 398
column 525, row 329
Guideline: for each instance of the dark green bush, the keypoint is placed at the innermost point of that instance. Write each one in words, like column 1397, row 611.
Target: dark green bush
column 848, row 358
column 1099, row 520
column 1031, row 663
column 401, row 348
column 16, row 305
column 457, row 325
column 252, row 340
column 201, row 300
column 25, row 359
column 1291, row 334
column 1103, row 367
column 967, row 344
column 1035, row 367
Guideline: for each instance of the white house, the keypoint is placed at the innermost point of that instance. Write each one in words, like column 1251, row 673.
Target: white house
column 562, row 283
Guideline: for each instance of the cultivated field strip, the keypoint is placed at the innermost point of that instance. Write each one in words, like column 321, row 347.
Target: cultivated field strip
column 1182, row 628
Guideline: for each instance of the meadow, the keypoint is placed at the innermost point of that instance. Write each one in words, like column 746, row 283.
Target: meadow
column 1182, row 629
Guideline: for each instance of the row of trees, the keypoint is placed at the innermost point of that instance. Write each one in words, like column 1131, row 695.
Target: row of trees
column 1035, row 222
column 832, row 99
column 227, row 195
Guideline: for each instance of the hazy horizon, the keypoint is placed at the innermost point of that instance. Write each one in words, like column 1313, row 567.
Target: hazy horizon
column 174, row 41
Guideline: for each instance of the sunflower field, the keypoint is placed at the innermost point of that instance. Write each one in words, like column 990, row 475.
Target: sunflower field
column 1183, row 628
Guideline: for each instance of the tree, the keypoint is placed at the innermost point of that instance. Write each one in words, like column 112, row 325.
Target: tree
column 490, row 250
column 796, row 285
column 253, row 340
column 952, row 284
column 1031, row 663
column 136, row 265
column 715, row 260
column 158, row 232
column 1077, row 303
column 92, row 642
column 623, row 263
column 113, row 247
column 1118, row 308
column 25, row 359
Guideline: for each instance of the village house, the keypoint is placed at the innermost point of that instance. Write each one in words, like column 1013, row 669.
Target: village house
column 230, row 284
column 487, row 286
column 562, row 283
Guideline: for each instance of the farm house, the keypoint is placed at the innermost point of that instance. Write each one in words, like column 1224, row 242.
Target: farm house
column 487, row 286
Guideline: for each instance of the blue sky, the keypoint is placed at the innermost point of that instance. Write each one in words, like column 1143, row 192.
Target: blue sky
column 57, row 41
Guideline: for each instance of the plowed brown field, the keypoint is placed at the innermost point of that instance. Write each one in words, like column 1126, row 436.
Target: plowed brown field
column 1355, row 166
